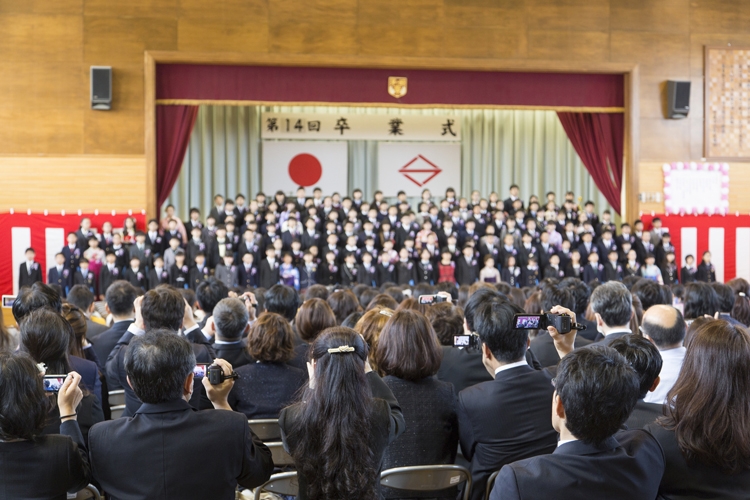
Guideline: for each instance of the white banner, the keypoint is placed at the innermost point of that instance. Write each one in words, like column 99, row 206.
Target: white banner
column 290, row 164
column 322, row 126
column 696, row 188
column 413, row 167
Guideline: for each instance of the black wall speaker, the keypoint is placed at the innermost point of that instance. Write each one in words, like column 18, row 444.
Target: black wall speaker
column 101, row 87
column 678, row 99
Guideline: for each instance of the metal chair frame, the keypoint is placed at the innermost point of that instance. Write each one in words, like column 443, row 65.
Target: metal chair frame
column 438, row 477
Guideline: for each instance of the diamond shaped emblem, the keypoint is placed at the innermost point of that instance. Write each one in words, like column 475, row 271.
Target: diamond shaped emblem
column 420, row 170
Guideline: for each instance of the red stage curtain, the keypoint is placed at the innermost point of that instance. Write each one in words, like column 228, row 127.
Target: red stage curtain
column 173, row 127
column 598, row 139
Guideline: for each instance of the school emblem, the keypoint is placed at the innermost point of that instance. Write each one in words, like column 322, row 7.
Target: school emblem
column 397, row 86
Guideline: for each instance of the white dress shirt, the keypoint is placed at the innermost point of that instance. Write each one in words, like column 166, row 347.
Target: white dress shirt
column 511, row 365
column 671, row 364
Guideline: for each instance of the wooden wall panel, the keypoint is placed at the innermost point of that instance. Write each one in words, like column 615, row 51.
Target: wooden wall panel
column 73, row 183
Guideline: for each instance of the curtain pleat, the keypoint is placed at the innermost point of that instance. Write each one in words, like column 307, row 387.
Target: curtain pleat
column 498, row 148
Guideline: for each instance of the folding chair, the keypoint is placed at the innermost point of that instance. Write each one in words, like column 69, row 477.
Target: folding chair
column 279, row 454
column 88, row 493
column 117, row 403
column 427, row 478
column 284, row 483
column 490, row 484
column 267, row 429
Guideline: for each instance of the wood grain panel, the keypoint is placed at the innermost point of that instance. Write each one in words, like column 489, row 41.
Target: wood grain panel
column 315, row 12
column 656, row 54
column 237, row 10
column 471, row 15
column 496, row 43
column 662, row 139
column 651, row 181
column 571, row 15
column 41, row 38
column 112, row 41
column 73, row 183
column 412, row 13
column 42, row 7
column 574, row 45
column 132, row 8
column 215, row 34
column 380, row 39
column 719, row 16
column 661, row 16
column 41, row 131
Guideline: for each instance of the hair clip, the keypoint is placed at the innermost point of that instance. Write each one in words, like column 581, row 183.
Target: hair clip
column 341, row 349
column 386, row 313
column 42, row 368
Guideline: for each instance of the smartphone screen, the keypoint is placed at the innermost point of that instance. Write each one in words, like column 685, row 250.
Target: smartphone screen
column 52, row 383
column 530, row 322
column 427, row 299
column 200, row 370
column 8, row 300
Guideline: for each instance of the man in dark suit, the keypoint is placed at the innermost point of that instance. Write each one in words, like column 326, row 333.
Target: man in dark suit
column 506, row 419
column 81, row 297
column 60, row 275
column 612, row 305
column 595, row 390
column 508, row 203
column 229, row 323
column 269, row 269
column 161, row 308
column 168, row 436
column 645, row 358
column 120, row 298
column 29, row 272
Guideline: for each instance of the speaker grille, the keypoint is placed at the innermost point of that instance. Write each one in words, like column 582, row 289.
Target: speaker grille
column 682, row 96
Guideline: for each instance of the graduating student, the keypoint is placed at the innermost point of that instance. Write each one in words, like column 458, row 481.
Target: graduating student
column 308, row 271
column 84, row 276
column 367, row 273
column 247, row 274
column 511, row 273
column 109, row 273
column 328, row 271
column 632, row 266
column 613, row 269
column 60, row 275
column 72, row 252
column 179, row 272
column 195, row 245
column 169, row 252
column 200, row 272
column 288, row 272
column 121, row 253
column 153, row 239
column 689, row 270
column 669, row 270
column 269, row 269
column 530, row 273
column 159, row 275
column 348, row 271
column 706, row 271
column 426, row 270
column 489, row 274
column 554, row 270
column 467, row 268
column 593, row 270
column 587, row 247
column 446, row 268
column 406, row 273
column 135, row 275
column 227, row 272
column 650, row 270
column 141, row 250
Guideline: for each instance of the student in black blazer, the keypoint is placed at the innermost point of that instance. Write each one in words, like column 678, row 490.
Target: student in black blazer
column 34, row 465
column 120, row 298
column 166, row 435
column 60, row 275
column 595, row 390
column 706, row 271
column 159, row 275
column 109, row 273
column 508, row 418
column 467, row 268
column 269, row 269
column 269, row 384
column 29, row 272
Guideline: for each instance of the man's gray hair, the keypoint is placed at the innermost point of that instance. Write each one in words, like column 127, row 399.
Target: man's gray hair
column 613, row 302
column 230, row 318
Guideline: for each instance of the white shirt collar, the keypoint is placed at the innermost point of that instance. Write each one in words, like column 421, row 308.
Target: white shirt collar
column 511, row 365
column 563, row 441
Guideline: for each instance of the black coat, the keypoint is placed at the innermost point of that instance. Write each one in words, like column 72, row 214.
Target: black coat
column 165, row 440
column 466, row 272
column 106, row 341
column 624, row 467
column 706, row 273
column 234, row 353
column 543, row 348
column 269, row 276
column 179, row 277
column 462, row 367
column 263, row 389
column 644, row 414
column 106, row 278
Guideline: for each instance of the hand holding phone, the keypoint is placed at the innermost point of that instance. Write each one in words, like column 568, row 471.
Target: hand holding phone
column 69, row 396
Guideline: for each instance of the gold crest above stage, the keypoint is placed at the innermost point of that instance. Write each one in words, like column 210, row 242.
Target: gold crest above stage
column 397, row 86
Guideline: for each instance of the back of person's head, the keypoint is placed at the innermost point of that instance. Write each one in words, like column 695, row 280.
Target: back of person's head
column 700, row 300
column 370, row 326
column 493, row 322
column 351, row 320
column 37, row 296
column 630, row 281
column 24, row 404
column 726, row 296
column 163, row 308
column 478, row 298
column 533, row 304
column 598, row 389
column 120, row 297
column 366, row 297
column 46, row 337
column 230, row 319
column 710, row 405
column 408, row 347
column 343, row 303
column 479, row 285
column 317, row 292
column 643, row 356
column 81, row 297
column 282, row 299
column 637, row 316
column 329, row 442
column 158, row 365
column 581, row 294
column 650, row 293
column 463, row 296
column 553, row 295
column 423, row 289
column 77, row 321
column 447, row 321
column 516, row 296
column 313, row 316
column 382, row 300
column 396, row 293
column 664, row 325
column 412, row 303
column 271, row 339
column 741, row 306
column 209, row 293
column 613, row 303
column 504, row 288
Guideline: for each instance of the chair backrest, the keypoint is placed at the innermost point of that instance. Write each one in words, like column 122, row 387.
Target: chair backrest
column 490, row 484
column 427, row 478
column 88, row 493
column 284, row 483
column 116, row 398
column 279, row 454
column 266, row 429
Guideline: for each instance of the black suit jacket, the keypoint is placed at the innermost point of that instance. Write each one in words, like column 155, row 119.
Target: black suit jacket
column 46, row 467
column 683, row 481
column 601, row 339
column 644, row 414
column 263, row 389
column 26, row 278
column 624, row 467
column 505, row 420
column 105, row 342
column 235, row 353
column 544, row 348
column 462, row 368
column 93, row 330
column 163, row 452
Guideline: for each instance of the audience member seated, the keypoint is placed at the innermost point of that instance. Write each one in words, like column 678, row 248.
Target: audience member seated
column 82, row 297
column 119, row 303
column 343, row 303
column 168, row 450
column 644, row 357
column 283, row 300
column 726, row 302
column 32, row 464
column 650, row 293
column 612, row 306
column 704, row 433
column 8, row 342
column 408, row 355
column 581, row 294
column 700, row 300
column 595, row 391
column 269, row 384
column 339, row 430
column 229, row 322
column 370, row 325
column 741, row 307
column 506, row 419
column 665, row 327
column 81, row 347
column 542, row 345
column 208, row 294
column 313, row 316
column 160, row 308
